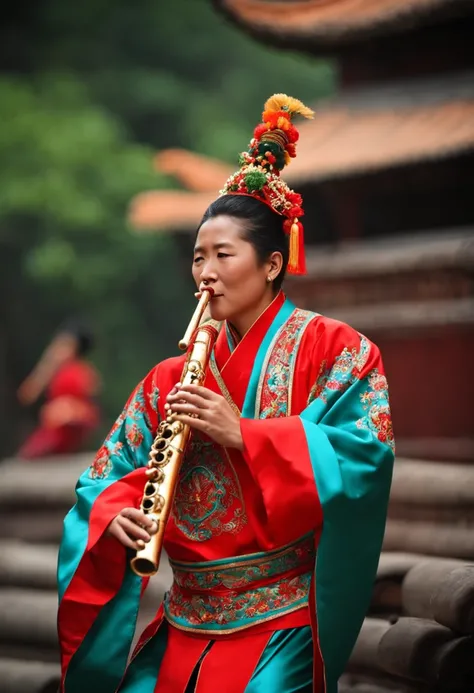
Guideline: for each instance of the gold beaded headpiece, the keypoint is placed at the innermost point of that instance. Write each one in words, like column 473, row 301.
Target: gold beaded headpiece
column 271, row 149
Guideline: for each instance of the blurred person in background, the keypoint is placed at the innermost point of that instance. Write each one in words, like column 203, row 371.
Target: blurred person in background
column 70, row 385
column 276, row 528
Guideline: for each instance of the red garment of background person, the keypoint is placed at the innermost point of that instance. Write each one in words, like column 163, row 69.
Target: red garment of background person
column 71, row 384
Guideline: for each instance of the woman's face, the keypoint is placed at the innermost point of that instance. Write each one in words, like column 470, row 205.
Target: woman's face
column 226, row 262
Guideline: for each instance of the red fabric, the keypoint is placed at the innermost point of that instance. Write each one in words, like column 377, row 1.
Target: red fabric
column 277, row 455
column 236, row 367
column 75, row 384
column 244, row 647
column 45, row 442
column 296, row 619
column 182, row 654
column 77, row 378
column 272, row 484
column 100, row 573
column 72, row 389
column 223, row 658
column 319, row 676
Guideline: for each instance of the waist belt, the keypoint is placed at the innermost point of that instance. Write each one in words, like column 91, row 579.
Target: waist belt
column 230, row 594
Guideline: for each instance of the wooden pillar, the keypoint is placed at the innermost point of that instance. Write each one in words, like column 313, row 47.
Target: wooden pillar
column 344, row 203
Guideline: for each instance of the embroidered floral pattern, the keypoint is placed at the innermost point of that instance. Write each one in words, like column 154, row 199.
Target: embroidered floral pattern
column 375, row 402
column 230, row 593
column 208, row 499
column 237, row 610
column 276, row 384
column 136, row 407
column 131, row 416
column 134, row 435
column 347, row 368
column 153, row 397
column 239, row 573
column 102, row 464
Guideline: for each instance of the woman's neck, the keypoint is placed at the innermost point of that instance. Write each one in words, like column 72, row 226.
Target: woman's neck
column 242, row 323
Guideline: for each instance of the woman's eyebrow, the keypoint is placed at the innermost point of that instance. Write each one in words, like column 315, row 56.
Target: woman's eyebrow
column 216, row 246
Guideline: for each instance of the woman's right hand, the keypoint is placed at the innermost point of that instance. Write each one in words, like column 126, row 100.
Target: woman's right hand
column 132, row 528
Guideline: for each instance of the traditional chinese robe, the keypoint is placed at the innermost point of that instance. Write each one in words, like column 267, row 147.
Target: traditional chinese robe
column 274, row 550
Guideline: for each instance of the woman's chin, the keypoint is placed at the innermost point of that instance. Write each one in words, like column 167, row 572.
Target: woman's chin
column 218, row 312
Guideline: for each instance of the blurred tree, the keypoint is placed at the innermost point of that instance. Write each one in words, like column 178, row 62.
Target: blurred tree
column 67, row 174
column 87, row 92
column 176, row 75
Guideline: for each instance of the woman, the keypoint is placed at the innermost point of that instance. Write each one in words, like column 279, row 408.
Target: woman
column 70, row 413
column 280, row 509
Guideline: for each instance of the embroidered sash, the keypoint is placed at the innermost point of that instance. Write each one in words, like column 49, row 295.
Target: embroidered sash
column 231, row 594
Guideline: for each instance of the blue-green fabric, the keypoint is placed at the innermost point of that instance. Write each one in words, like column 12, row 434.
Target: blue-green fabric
column 352, row 457
column 352, row 466
column 353, row 471
column 122, row 452
column 142, row 673
column 286, row 664
column 248, row 410
column 99, row 663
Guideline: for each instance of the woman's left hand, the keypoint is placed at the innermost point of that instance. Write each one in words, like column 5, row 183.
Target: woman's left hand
column 206, row 411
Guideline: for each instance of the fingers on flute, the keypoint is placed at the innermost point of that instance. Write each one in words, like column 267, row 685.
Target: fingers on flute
column 133, row 530
column 139, row 519
column 183, row 408
column 122, row 536
column 137, row 516
column 173, row 391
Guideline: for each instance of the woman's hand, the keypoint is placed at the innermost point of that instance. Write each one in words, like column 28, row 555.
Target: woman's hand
column 132, row 528
column 205, row 411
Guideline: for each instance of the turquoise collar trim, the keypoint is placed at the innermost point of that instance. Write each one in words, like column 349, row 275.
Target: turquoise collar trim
column 248, row 410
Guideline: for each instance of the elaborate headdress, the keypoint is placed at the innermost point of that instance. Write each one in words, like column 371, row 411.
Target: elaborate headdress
column 272, row 147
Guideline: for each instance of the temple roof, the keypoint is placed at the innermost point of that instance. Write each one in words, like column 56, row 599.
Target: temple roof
column 195, row 172
column 354, row 134
column 327, row 24
column 385, row 127
column 170, row 210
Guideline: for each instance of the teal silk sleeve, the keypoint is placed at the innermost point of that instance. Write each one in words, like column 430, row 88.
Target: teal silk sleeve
column 99, row 594
column 125, row 448
column 350, row 441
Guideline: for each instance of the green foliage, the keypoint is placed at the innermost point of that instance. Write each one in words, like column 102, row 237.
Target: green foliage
column 67, row 176
column 88, row 91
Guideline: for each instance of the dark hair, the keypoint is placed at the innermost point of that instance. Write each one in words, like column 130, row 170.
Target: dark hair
column 263, row 227
column 83, row 334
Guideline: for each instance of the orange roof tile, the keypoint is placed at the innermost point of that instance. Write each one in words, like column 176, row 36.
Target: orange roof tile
column 329, row 22
column 194, row 171
column 367, row 131
column 172, row 210
column 341, row 141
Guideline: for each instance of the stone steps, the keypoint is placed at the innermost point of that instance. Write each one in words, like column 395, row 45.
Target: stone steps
column 415, row 639
column 34, row 497
column 18, row 676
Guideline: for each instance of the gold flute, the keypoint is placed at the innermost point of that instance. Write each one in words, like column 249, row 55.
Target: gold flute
column 167, row 451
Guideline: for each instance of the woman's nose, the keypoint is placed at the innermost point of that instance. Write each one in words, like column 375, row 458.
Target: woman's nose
column 208, row 274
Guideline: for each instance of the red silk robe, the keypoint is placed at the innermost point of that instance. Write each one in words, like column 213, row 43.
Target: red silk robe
column 283, row 536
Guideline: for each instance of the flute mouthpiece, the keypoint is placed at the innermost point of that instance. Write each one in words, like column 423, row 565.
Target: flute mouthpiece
column 206, row 295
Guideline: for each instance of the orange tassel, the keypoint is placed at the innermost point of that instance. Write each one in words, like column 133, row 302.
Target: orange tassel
column 297, row 259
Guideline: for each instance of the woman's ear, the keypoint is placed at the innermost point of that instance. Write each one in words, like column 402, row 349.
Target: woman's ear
column 275, row 262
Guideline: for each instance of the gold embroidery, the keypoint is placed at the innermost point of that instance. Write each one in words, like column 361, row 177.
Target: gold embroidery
column 223, row 387
column 228, row 631
column 296, row 326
